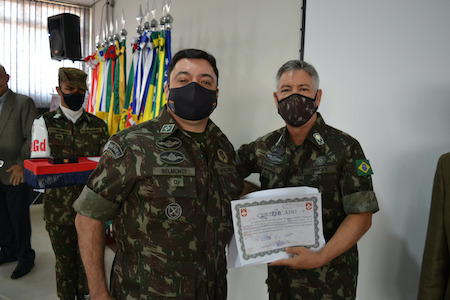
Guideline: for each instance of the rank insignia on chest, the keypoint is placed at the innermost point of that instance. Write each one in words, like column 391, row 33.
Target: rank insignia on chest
column 176, row 182
column 363, row 168
column 167, row 128
column 320, row 161
column 318, row 138
column 274, row 158
column 279, row 150
column 222, row 156
column 173, row 211
column 169, row 143
column 172, row 157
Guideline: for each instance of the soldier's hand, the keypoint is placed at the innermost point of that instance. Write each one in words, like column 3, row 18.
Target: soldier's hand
column 303, row 259
column 16, row 174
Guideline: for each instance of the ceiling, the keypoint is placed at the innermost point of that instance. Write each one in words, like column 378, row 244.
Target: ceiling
column 88, row 3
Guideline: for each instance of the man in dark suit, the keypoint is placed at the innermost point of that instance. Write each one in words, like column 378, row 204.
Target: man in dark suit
column 17, row 113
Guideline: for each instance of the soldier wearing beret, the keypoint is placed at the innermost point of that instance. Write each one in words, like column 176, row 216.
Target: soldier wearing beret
column 167, row 183
column 71, row 132
column 308, row 152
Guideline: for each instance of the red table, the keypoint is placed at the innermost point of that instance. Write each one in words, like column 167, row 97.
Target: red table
column 39, row 173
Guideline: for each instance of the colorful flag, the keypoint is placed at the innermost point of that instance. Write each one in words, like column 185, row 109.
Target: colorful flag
column 123, row 103
column 117, row 98
column 160, row 64
column 126, row 109
column 93, row 62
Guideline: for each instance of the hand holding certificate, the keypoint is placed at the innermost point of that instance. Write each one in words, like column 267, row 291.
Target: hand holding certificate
column 266, row 222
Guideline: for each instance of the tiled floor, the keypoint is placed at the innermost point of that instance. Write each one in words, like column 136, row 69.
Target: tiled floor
column 40, row 283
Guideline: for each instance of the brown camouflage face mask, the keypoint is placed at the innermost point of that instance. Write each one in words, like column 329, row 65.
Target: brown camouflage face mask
column 297, row 109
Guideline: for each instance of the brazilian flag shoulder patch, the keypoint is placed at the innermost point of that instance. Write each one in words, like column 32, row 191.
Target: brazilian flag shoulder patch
column 363, row 168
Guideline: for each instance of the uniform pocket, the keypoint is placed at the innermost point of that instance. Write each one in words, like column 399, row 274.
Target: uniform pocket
column 172, row 216
column 230, row 182
column 326, row 180
column 167, row 266
column 174, row 195
column 167, row 283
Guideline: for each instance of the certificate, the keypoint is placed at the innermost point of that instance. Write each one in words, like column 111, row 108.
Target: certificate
column 266, row 222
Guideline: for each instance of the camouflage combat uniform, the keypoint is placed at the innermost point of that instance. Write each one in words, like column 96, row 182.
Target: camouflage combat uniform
column 84, row 138
column 169, row 195
column 327, row 160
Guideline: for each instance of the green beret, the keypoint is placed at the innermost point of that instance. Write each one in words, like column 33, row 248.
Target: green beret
column 73, row 76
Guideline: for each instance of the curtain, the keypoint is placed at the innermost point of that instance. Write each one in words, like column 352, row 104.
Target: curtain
column 25, row 46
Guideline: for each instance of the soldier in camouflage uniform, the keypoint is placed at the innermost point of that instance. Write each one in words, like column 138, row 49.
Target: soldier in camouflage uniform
column 307, row 152
column 71, row 132
column 167, row 183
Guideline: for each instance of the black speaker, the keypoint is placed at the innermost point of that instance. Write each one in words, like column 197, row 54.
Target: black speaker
column 64, row 36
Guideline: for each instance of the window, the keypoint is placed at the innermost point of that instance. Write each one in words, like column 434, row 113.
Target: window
column 25, row 50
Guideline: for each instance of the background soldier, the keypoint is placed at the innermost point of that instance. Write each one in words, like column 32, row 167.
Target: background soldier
column 71, row 132
column 167, row 183
column 307, row 152
column 17, row 113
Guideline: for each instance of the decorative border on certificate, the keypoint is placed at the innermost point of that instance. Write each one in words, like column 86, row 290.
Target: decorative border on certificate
column 267, row 227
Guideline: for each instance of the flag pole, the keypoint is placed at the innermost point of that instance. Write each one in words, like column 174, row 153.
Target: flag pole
column 302, row 31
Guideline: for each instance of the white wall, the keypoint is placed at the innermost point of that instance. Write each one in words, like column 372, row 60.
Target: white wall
column 385, row 75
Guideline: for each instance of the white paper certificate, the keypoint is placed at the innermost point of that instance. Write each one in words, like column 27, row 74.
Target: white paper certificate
column 267, row 221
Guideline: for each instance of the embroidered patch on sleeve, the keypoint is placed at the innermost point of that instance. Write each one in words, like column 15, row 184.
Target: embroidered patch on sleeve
column 114, row 148
column 363, row 168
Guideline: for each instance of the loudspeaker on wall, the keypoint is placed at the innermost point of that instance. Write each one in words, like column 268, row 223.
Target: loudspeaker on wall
column 64, row 36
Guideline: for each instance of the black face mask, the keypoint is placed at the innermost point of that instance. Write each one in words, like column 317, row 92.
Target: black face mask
column 73, row 101
column 297, row 109
column 192, row 101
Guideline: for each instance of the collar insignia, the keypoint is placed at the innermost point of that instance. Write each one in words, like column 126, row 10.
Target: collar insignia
column 167, row 128
column 318, row 138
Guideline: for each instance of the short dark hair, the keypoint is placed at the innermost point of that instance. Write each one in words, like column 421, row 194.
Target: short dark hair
column 192, row 53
